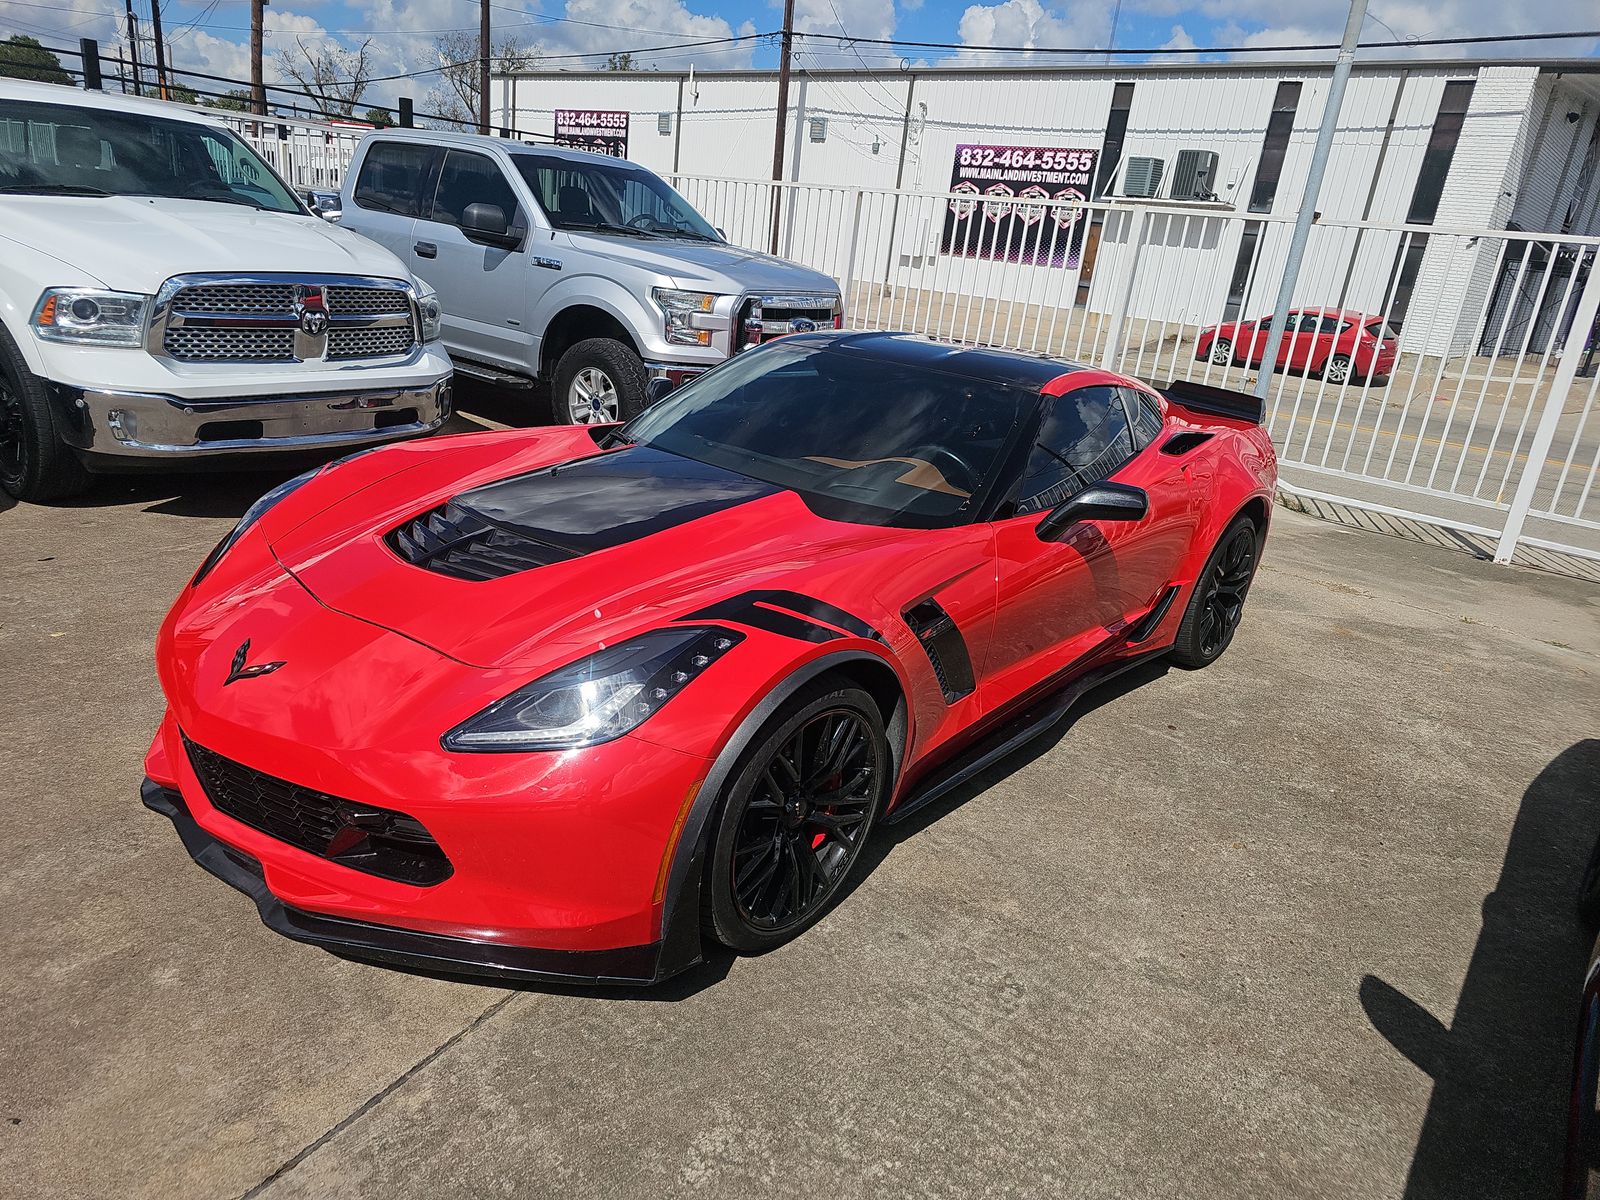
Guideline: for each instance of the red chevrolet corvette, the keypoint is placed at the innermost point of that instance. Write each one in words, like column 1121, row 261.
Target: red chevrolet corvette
column 575, row 703
column 1339, row 344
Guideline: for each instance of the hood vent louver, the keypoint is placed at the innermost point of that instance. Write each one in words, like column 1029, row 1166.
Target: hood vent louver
column 455, row 541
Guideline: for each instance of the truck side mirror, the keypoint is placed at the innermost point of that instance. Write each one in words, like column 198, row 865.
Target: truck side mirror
column 486, row 223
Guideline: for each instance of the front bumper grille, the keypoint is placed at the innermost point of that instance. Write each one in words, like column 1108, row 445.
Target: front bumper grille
column 378, row 841
column 764, row 318
column 204, row 318
column 450, row 540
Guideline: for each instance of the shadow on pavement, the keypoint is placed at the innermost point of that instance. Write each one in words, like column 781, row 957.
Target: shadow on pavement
column 1496, row 1123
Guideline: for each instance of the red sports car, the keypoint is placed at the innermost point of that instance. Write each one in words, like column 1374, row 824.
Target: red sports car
column 1338, row 344
column 574, row 703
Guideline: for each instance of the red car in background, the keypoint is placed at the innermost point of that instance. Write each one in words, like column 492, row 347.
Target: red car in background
column 1338, row 344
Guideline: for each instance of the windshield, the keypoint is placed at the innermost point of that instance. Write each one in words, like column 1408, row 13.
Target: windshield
column 611, row 195
column 67, row 150
column 861, row 438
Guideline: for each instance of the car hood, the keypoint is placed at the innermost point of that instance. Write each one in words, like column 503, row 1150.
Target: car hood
column 708, row 266
column 135, row 243
column 611, row 543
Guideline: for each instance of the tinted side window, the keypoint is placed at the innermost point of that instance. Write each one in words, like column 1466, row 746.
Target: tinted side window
column 392, row 178
column 1143, row 416
column 1083, row 439
column 471, row 179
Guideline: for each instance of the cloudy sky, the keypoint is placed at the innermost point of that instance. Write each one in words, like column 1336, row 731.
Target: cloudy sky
column 213, row 35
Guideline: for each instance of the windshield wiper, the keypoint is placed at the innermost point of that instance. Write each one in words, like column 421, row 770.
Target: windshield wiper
column 610, row 227
column 53, row 189
column 692, row 236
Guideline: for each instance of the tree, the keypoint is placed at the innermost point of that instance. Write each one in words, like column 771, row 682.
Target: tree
column 182, row 93
column 238, row 100
column 621, row 61
column 455, row 98
column 334, row 77
column 22, row 57
column 381, row 117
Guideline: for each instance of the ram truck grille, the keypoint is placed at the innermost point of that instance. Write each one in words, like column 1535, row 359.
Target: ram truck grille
column 292, row 319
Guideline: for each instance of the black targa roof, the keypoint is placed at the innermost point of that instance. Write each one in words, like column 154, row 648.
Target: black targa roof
column 1009, row 367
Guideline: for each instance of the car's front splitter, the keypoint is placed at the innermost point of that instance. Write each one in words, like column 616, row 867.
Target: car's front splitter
column 629, row 965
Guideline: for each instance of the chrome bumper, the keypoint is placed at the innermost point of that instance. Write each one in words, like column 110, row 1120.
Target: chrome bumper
column 146, row 425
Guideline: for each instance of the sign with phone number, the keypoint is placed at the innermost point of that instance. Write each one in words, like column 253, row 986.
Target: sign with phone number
column 999, row 222
column 596, row 130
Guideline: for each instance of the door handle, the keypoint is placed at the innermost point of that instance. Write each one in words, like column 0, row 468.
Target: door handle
column 426, row 250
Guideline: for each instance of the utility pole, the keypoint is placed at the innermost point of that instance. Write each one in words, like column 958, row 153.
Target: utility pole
column 161, row 55
column 133, row 49
column 258, row 91
column 1308, row 202
column 483, row 66
column 783, row 114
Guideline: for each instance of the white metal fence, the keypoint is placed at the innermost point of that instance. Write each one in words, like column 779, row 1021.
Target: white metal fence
column 308, row 154
column 1487, row 421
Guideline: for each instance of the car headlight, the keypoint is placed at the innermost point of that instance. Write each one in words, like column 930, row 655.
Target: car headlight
column 597, row 698
column 687, row 315
column 251, row 515
column 431, row 312
column 89, row 317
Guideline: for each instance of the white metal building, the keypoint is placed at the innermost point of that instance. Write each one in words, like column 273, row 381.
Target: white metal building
column 1467, row 144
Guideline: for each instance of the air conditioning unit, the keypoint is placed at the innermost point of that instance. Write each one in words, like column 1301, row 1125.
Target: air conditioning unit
column 1143, row 176
column 1195, row 175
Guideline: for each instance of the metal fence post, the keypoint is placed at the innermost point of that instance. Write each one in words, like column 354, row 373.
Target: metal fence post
column 849, row 280
column 89, row 51
column 1544, row 435
column 1111, row 353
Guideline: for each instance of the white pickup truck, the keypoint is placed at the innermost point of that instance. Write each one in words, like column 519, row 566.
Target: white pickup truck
column 165, row 298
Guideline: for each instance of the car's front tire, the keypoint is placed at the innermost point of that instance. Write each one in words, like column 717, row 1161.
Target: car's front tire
column 35, row 465
column 1217, row 603
column 598, row 381
column 1222, row 352
column 795, row 817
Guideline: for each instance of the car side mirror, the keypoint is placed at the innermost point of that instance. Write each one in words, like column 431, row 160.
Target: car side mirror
column 658, row 389
column 1102, row 502
column 487, row 223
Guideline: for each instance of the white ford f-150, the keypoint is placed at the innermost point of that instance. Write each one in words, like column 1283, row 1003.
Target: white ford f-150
column 165, row 297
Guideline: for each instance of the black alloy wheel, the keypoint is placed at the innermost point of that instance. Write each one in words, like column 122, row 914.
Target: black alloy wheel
column 13, row 437
column 1217, row 605
column 799, row 812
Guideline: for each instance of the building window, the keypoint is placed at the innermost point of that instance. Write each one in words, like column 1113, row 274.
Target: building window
column 1116, row 131
column 1274, row 146
column 1427, row 193
column 1242, row 264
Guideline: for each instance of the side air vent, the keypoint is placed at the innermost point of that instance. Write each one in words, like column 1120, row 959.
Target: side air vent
column 454, row 541
column 945, row 647
column 1180, row 444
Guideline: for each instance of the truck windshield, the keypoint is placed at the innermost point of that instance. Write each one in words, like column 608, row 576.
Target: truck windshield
column 69, row 150
column 861, row 438
column 616, row 196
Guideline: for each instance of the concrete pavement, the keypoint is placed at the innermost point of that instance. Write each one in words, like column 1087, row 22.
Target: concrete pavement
column 1225, row 936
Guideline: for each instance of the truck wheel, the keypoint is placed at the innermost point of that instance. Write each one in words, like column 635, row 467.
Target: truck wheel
column 34, row 463
column 599, row 380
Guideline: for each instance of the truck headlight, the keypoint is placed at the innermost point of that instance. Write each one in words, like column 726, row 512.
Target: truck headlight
column 688, row 316
column 89, row 317
column 431, row 312
column 597, row 698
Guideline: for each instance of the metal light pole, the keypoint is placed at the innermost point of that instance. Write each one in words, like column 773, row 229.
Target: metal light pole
column 483, row 67
column 783, row 113
column 1308, row 202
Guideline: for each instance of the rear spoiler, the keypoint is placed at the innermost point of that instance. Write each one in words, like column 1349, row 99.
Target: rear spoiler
column 1215, row 401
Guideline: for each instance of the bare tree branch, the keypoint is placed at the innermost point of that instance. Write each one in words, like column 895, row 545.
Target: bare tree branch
column 455, row 97
column 336, row 77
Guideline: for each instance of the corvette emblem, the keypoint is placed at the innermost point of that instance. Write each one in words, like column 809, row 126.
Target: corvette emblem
column 239, row 671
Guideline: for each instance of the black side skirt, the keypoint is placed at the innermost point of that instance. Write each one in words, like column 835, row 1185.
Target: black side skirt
column 633, row 965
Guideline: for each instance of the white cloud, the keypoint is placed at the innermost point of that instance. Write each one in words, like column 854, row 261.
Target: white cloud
column 1028, row 23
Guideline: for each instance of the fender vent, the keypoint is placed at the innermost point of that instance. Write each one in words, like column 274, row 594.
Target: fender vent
column 945, row 647
column 454, row 541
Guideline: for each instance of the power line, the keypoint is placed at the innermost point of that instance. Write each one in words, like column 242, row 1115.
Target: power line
column 1564, row 35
